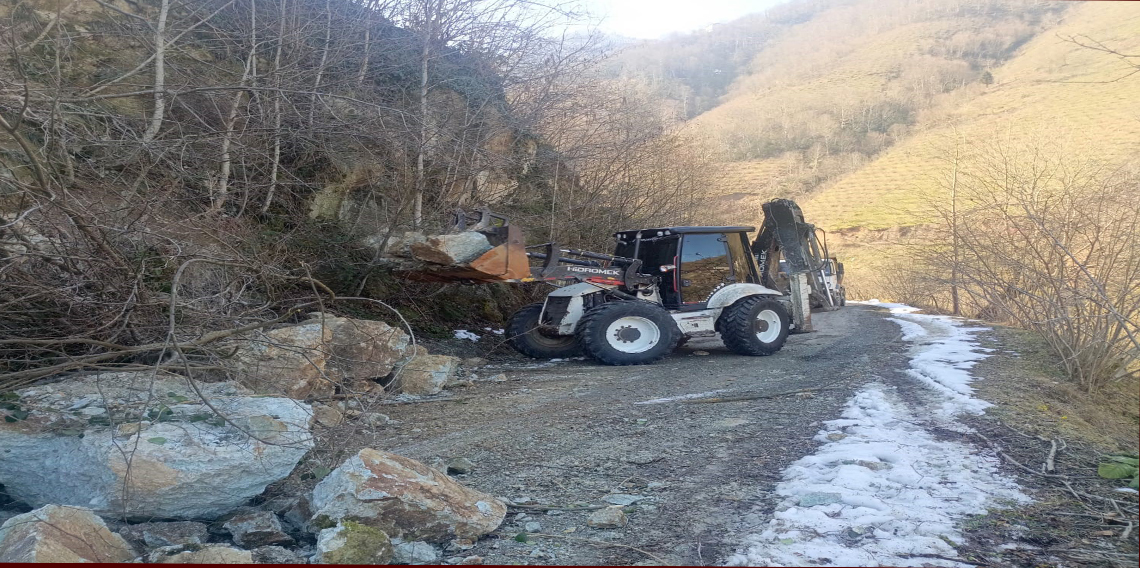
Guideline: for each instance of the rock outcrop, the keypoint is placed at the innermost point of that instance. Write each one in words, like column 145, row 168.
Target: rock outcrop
column 405, row 499
column 313, row 358
column 61, row 534
column 145, row 446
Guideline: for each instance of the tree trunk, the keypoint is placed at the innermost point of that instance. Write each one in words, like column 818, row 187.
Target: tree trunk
column 159, row 75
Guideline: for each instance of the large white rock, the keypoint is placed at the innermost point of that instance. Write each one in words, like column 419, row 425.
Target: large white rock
column 451, row 250
column 145, row 446
column 311, row 359
column 426, row 374
column 61, row 534
column 404, row 498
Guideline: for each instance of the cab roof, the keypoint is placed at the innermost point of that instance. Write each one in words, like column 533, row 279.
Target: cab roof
column 685, row 230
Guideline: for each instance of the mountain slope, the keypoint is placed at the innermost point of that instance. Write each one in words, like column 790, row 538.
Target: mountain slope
column 1051, row 90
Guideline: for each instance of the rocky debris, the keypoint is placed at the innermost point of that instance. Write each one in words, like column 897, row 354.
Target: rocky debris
column 276, row 555
column 533, row 527
column 200, row 554
column 499, row 378
column 611, row 517
column 294, row 511
column 405, row 499
column 471, row 560
column 155, row 535
column 426, row 374
column 353, row 543
column 374, row 419
column 472, row 363
column 415, row 552
column 253, row 528
column 182, row 462
column 873, row 465
column 55, row 533
column 700, row 353
column 459, row 465
column 450, row 250
column 327, row 415
column 313, row 358
column 623, row 499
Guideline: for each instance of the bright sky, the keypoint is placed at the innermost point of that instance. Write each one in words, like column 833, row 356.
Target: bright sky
column 654, row 18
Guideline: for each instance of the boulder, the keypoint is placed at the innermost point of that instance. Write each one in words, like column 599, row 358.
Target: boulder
column 426, row 374
column 276, row 555
column 182, row 462
column 611, row 517
column 451, row 250
column 61, row 534
column 156, row 535
column 353, row 543
column 199, row 554
column 311, row 359
column 327, row 415
column 405, row 499
column 252, row 528
column 415, row 552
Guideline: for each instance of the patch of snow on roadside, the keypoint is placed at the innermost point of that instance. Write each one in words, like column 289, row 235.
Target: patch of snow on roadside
column 681, row 397
column 942, row 359
column 882, row 492
column 464, row 334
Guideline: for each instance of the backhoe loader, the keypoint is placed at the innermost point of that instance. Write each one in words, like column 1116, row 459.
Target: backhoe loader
column 659, row 287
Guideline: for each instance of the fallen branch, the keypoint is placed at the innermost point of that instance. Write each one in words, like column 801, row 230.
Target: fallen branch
column 1050, row 466
column 555, row 508
column 718, row 399
column 940, row 557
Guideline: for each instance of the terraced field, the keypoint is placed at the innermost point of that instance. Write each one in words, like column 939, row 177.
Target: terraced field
column 1053, row 95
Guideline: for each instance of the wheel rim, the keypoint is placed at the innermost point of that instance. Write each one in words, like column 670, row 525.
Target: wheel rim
column 633, row 334
column 548, row 339
column 767, row 326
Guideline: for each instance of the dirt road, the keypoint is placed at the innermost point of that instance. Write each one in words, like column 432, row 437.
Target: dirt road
column 576, row 433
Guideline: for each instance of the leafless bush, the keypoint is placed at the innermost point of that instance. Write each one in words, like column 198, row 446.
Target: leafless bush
column 1050, row 242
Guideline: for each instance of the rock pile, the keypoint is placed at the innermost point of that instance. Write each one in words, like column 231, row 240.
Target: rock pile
column 327, row 354
column 188, row 458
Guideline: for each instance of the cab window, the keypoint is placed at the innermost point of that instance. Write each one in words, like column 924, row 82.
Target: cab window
column 704, row 266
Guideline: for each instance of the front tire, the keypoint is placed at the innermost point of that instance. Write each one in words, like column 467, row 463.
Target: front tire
column 628, row 333
column 526, row 336
column 755, row 326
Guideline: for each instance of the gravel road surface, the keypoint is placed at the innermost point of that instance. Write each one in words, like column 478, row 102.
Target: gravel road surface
column 698, row 439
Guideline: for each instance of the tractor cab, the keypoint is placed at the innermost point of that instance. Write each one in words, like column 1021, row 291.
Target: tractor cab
column 692, row 262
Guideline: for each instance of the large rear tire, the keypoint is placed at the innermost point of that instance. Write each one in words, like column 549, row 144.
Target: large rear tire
column 525, row 336
column 628, row 333
column 755, row 326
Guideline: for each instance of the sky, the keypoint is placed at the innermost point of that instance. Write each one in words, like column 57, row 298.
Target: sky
column 649, row 19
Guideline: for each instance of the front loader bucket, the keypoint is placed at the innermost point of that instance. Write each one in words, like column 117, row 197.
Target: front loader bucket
column 505, row 262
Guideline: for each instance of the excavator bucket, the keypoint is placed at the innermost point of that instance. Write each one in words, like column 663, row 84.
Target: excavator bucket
column 505, row 260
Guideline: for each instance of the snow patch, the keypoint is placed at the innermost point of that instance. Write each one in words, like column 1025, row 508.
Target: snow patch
column 900, row 490
column 883, row 491
column 464, row 334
